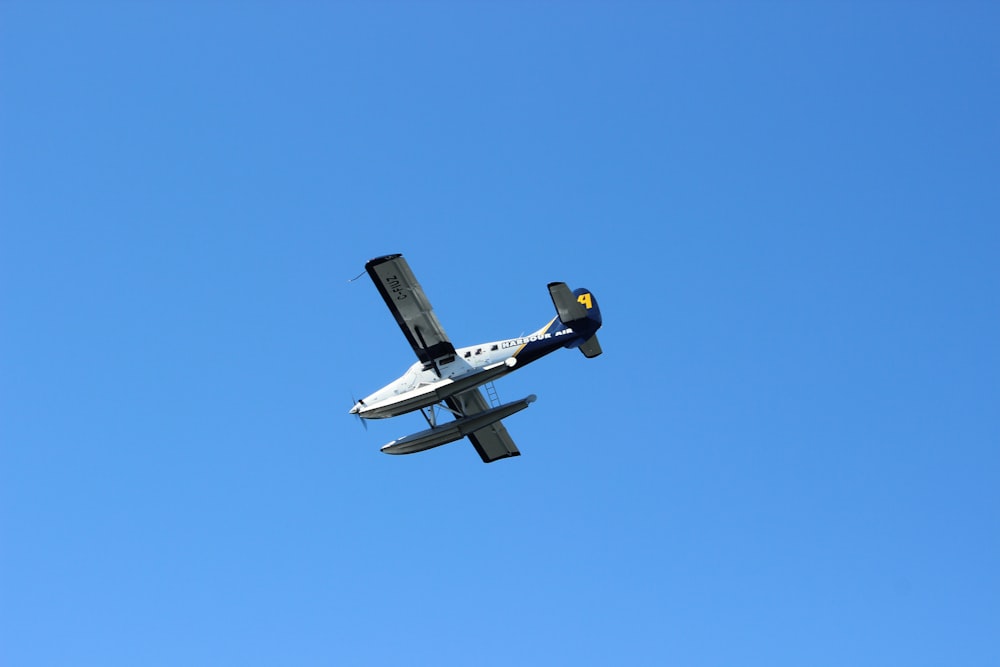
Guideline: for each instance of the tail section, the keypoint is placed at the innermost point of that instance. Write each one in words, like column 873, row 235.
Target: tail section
column 591, row 347
column 579, row 310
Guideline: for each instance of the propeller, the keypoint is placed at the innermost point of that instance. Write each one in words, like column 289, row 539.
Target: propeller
column 364, row 422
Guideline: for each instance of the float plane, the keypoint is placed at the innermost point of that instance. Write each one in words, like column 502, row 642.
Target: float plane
column 450, row 378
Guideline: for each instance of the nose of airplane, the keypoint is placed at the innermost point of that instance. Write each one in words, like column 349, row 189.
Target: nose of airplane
column 356, row 409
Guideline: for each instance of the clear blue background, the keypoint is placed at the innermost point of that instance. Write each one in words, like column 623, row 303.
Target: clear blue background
column 787, row 455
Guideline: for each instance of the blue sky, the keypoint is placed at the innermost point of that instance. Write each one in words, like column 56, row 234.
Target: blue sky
column 787, row 455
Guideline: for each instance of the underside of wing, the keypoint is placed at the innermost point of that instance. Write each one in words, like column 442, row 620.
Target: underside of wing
column 491, row 442
column 405, row 298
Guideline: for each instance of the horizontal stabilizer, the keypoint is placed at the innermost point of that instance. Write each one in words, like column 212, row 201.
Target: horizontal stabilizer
column 591, row 347
column 570, row 310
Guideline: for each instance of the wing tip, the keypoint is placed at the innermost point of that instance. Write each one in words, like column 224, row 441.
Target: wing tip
column 382, row 259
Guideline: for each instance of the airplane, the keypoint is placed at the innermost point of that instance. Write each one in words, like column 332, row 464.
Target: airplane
column 450, row 378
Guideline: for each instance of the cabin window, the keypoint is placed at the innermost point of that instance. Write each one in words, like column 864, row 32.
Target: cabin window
column 494, row 348
column 479, row 351
column 468, row 354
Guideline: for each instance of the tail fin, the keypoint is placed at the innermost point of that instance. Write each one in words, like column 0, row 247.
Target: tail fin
column 578, row 309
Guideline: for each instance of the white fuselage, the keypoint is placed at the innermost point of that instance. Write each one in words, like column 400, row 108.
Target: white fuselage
column 422, row 385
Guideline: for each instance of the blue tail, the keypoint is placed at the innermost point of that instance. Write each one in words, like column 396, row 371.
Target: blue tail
column 587, row 299
column 579, row 311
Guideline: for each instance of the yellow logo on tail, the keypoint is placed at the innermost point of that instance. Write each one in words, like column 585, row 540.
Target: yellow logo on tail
column 585, row 300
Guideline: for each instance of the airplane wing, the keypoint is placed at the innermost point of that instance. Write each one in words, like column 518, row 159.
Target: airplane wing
column 492, row 442
column 404, row 296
